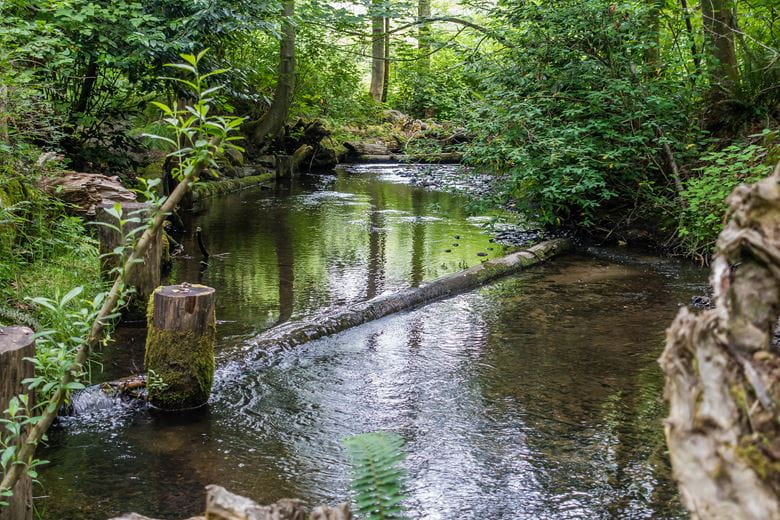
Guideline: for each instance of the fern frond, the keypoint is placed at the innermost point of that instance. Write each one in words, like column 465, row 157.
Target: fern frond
column 378, row 479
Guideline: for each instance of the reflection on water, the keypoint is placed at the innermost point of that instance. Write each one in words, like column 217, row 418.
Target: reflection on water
column 535, row 397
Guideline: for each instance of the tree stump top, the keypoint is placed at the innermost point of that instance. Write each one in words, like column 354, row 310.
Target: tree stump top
column 184, row 290
column 183, row 307
column 14, row 338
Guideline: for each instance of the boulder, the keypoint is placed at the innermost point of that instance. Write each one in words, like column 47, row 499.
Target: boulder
column 86, row 192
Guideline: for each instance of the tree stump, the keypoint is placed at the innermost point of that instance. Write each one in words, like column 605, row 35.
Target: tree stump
column 16, row 343
column 180, row 346
column 284, row 166
column 146, row 276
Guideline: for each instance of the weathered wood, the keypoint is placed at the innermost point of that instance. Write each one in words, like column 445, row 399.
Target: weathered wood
column 296, row 333
column 722, row 370
column 16, row 344
column 284, row 166
column 145, row 277
column 180, row 346
column 221, row 504
column 85, row 193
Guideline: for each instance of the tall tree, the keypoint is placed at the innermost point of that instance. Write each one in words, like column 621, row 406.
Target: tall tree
column 424, row 34
column 273, row 121
column 377, row 50
column 386, row 80
column 719, row 20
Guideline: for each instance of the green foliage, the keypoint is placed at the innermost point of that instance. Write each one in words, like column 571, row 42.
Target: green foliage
column 377, row 477
column 704, row 197
column 571, row 118
column 62, row 351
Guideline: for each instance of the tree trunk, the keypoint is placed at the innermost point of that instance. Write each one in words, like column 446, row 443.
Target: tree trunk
column 386, row 79
column 377, row 52
column 16, row 344
column 145, row 277
column 424, row 35
column 722, row 370
column 180, row 346
column 692, row 36
column 273, row 121
column 653, row 51
column 718, row 22
column 87, row 87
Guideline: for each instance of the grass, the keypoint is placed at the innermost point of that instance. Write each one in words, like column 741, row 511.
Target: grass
column 66, row 259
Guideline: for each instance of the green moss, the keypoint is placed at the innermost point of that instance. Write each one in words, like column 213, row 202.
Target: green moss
column 204, row 190
column 749, row 450
column 183, row 361
column 153, row 170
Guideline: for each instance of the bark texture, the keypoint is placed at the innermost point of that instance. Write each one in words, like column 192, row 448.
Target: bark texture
column 180, row 346
column 719, row 22
column 16, row 343
column 146, row 276
column 296, row 333
column 722, row 370
column 377, row 53
column 273, row 121
column 86, row 192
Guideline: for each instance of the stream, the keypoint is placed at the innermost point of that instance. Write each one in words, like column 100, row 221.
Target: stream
column 537, row 396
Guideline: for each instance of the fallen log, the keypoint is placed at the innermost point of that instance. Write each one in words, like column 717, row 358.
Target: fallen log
column 292, row 334
column 87, row 192
column 296, row 333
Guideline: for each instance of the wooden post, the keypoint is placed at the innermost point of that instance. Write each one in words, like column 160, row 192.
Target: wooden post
column 284, row 166
column 16, row 343
column 146, row 277
column 180, row 346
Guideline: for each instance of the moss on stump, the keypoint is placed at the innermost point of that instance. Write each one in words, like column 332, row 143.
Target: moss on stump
column 180, row 346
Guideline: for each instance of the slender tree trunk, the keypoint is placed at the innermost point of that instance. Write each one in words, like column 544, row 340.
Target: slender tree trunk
column 718, row 21
column 273, row 121
column 692, row 36
column 87, row 86
column 652, row 53
column 424, row 35
column 377, row 53
column 386, row 80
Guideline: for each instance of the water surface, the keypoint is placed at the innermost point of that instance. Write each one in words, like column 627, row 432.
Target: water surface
column 535, row 397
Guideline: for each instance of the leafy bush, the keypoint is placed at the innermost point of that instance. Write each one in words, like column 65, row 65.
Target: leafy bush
column 704, row 196
column 571, row 116
column 377, row 477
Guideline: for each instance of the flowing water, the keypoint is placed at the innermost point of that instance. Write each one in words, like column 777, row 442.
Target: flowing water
column 535, row 397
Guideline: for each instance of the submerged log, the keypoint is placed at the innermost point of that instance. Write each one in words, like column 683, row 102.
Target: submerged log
column 296, row 333
column 723, row 371
column 16, row 344
column 180, row 346
column 145, row 277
